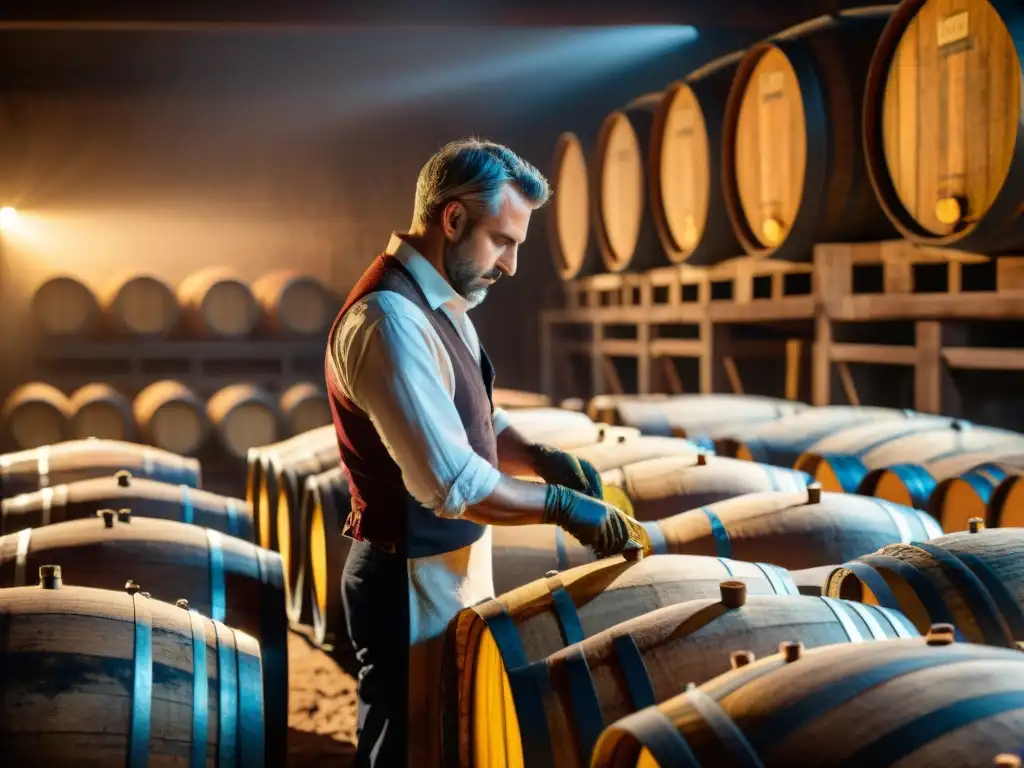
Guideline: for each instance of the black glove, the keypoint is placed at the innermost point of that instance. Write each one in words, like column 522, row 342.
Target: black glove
column 604, row 528
column 561, row 468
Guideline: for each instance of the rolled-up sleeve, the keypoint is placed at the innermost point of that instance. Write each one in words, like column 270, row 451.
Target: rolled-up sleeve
column 398, row 373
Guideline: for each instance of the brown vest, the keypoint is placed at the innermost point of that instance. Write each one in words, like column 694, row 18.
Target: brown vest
column 383, row 512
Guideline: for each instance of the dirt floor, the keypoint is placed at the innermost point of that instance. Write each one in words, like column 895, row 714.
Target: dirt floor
column 322, row 708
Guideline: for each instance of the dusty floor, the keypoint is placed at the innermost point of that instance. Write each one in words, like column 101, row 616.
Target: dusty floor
column 322, row 708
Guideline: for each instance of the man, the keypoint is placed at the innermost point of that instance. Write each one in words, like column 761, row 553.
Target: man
column 430, row 461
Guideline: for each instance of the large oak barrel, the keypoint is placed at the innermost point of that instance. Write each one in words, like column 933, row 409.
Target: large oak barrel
column 611, row 454
column 50, row 465
column 294, row 304
column 66, row 307
column 685, row 166
column 839, row 461
column 686, row 415
column 523, row 553
column 225, row 578
column 942, row 123
column 626, row 236
column 304, row 407
column 142, row 305
column 518, row 398
column 555, row 427
column 1006, row 507
column 99, row 410
column 244, row 416
column 217, row 303
column 37, row 414
column 660, row 488
column 795, row 530
column 906, row 470
column 782, row 442
column 605, row 408
column 650, row 659
column 322, row 555
column 539, row 618
column 793, row 167
column 915, row 703
column 569, row 233
column 171, row 416
column 972, row 580
column 957, row 500
column 260, row 488
column 145, row 498
column 283, row 479
column 97, row 677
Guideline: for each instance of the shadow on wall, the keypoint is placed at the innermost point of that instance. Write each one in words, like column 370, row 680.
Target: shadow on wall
column 165, row 153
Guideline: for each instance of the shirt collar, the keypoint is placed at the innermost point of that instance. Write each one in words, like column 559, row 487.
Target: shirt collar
column 437, row 290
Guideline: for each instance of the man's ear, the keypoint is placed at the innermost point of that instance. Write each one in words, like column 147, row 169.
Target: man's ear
column 453, row 220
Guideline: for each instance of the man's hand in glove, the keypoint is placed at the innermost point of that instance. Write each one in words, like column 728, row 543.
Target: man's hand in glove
column 561, row 468
column 600, row 526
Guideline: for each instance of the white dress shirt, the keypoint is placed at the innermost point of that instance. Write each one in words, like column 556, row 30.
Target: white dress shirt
column 389, row 361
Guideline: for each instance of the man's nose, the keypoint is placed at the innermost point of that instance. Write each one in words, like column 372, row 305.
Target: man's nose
column 507, row 263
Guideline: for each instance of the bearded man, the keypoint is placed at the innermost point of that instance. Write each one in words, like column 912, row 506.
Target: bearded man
column 432, row 464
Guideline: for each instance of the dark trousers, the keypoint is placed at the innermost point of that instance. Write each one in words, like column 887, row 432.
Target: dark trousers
column 375, row 591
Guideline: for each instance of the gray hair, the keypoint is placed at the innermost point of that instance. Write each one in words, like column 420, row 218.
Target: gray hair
column 474, row 172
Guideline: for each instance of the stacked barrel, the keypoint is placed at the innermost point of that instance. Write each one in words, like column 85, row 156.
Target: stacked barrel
column 866, row 124
column 141, row 622
column 770, row 558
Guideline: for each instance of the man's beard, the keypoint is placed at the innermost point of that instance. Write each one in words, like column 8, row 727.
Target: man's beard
column 464, row 276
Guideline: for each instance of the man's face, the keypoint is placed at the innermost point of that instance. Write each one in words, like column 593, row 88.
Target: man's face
column 479, row 252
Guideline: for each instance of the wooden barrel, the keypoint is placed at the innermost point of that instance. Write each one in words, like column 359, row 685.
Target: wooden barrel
column 217, row 303
column 795, row 530
column 783, row 441
column 958, row 499
column 244, row 416
column 37, row 414
column 686, row 175
column 793, row 168
column 572, row 247
column 974, row 581
column 626, row 236
column 523, row 553
column 99, row 410
column 324, row 549
column 225, row 578
column 612, row 454
column 294, row 304
column 261, row 498
column 660, row 488
column 532, row 622
column 555, row 427
column 141, row 682
column 1006, row 507
column 906, row 470
column 171, row 416
column 942, row 124
column 142, row 305
column 284, row 476
column 605, row 408
column 685, row 414
column 838, row 461
column 65, row 307
column 650, row 659
column 915, row 703
column 50, row 465
column 144, row 498
column 304, row 407
column 518, row 398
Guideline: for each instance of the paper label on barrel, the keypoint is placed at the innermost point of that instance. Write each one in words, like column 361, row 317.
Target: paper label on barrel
column 772, row 84
column 953, row 29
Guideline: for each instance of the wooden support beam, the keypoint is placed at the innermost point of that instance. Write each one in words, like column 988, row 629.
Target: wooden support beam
column 930, row 369
column 876, row 354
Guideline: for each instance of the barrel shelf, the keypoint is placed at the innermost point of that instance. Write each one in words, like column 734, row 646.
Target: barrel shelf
column 130, row 365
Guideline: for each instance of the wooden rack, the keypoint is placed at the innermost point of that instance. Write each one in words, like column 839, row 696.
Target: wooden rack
column 939, row 291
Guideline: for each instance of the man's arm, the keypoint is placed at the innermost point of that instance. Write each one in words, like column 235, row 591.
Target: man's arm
column 514, row 452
